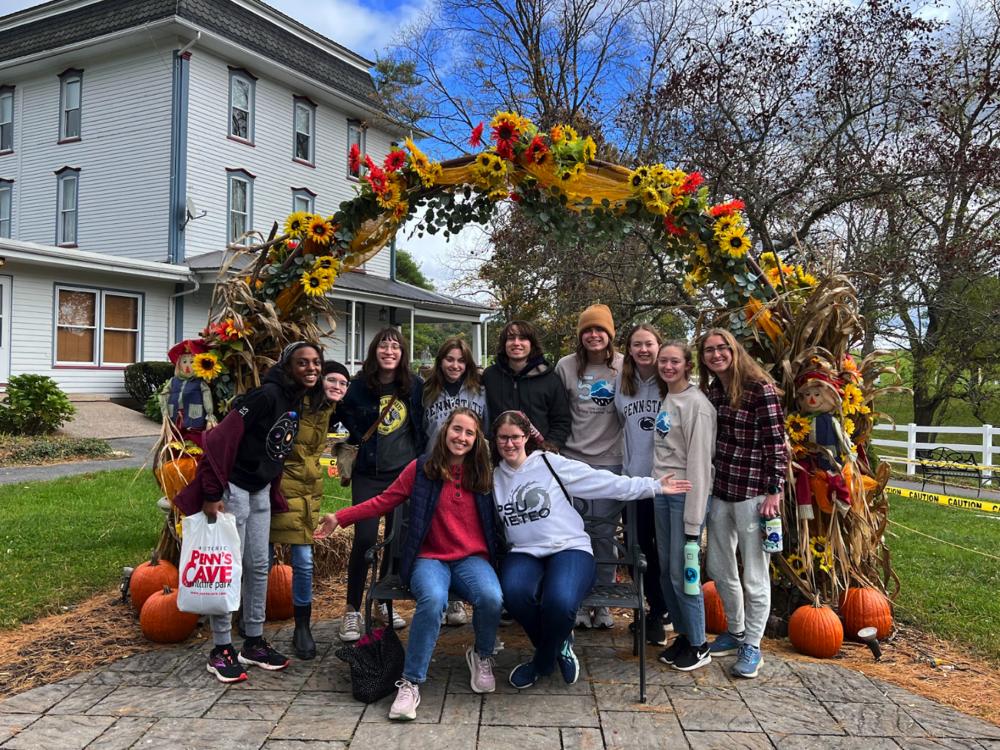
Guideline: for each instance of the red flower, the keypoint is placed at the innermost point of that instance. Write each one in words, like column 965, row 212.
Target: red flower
column 505, row 150
column 505, row 133
column 691, row 183
column 668, row 224
column 395, row 160
column 537, row 151
column 725, row 209
column 354, row 158
column 515, row 197
column 292, row 244
column 476, row 139
column 376, row 178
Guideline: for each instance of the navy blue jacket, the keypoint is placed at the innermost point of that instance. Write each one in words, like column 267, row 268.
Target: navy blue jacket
column 360, row 409
column 423, row 502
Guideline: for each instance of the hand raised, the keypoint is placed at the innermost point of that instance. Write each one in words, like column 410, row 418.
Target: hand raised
column 326, row 527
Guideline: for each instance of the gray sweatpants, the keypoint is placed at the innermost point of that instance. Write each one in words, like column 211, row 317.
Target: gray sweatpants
column 732, row 527
column 253, row 522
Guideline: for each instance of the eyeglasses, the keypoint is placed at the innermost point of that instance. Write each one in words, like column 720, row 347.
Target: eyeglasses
column 510, row 438
column 708, row 351
column 390, row 346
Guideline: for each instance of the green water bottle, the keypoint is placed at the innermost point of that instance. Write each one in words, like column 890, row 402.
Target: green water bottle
column 692, row 571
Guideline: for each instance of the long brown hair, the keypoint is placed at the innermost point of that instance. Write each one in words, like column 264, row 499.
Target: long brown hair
column 521, row 422
column 436, row 381
column 369, row 370
column 477, row 471
column 745, row 370
column 685, row 348
column 629, row 388
column 581, row 353
column 522, row 328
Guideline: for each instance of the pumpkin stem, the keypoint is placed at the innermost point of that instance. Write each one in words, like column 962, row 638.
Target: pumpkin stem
column 154, row 559
column 166, row 589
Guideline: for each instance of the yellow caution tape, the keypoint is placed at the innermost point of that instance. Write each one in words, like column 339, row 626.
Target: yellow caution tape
column 950, row 500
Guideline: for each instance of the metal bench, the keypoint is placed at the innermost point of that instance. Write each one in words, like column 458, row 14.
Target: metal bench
column 940, row 464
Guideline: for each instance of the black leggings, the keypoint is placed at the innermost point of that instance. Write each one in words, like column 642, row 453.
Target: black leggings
column 646, row 531
column 366, row 535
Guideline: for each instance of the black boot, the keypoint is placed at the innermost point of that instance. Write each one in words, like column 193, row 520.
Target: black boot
column 302, row 640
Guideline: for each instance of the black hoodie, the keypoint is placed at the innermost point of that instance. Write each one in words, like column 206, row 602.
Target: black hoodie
column 536, row 390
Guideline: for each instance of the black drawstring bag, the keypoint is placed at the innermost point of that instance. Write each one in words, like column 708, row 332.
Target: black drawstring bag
column 376, row 663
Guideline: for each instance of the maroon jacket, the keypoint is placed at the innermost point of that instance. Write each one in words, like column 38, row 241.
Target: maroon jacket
column 212, row 477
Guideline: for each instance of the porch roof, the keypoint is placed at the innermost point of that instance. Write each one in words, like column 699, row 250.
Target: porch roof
column 66, row 257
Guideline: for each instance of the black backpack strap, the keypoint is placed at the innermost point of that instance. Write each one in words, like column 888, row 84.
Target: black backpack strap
column 569, row 498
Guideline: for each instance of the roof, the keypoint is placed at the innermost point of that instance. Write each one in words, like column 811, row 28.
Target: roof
column 49, row 255
column 282, row 39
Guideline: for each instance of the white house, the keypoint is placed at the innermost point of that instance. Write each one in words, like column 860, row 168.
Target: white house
column 138, row 138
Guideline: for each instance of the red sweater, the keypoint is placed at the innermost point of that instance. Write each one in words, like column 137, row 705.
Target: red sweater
column 455, row 530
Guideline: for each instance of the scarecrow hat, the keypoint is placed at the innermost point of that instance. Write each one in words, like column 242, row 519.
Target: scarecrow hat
column 187, row 346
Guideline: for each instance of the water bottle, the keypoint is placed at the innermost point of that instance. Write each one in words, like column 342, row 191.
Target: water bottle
column 692, row 571
column 772, row 534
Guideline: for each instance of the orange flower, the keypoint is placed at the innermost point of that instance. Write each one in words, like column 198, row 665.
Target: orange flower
column 725, row 209
column 537, row 152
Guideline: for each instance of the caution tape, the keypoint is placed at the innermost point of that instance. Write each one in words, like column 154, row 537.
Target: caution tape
column 951, row 501
column 928, row 462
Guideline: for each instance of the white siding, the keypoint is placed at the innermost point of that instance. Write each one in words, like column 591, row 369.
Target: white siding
column 211, row 152
column 123, row 155
column 33, row 325
column 196, row 311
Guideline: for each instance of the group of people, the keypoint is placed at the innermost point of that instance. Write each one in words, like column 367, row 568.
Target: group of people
column 499, row 469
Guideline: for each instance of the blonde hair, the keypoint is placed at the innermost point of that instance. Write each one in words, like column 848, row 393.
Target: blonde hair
column 629, row 387
column 744, row 368
column 685, row 348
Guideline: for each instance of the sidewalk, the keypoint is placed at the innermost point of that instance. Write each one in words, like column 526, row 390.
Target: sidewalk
column 166, row 699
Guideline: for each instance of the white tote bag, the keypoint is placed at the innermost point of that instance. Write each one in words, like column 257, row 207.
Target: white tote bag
column 211, row 565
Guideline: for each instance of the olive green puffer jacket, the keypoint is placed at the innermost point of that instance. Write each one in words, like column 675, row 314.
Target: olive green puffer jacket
column 302, row 480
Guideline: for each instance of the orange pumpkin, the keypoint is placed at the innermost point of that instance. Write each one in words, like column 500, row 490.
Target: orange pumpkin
column 175, row 475
column 149, row 578
column 815, row 631
column 865, row 607
column 279, row 593
column 162, row 622
column 715, row 613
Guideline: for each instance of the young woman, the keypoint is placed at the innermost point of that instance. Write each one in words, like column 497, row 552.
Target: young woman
column 302, row 485
column 550, row 566
column 684, row 445
column 751, row 460
column 384, row 413
column 451, row 543
column 240, row 474
column 453, row 382
column 637, row 401
column 521, row 379
column 589, row 376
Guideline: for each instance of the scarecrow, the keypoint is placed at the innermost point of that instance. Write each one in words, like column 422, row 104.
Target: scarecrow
column 185, row 399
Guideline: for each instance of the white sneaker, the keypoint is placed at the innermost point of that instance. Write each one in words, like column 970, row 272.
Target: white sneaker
column 480, row 672
column 455, row 614
column 602, row 618
column 404, row 708
column 351, row 627
column 398, row 623
column 583, row 618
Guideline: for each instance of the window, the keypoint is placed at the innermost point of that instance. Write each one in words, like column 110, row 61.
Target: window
column 303, row 199
column 97, row 327
column 304, row 126
column 6, row 119
column 6, row 207
column 241, row 96
column 67, row 195
column 240, row 209
column 70, row 90
column 355, row 136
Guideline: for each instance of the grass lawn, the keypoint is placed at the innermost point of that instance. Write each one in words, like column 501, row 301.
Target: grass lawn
column 948, row 591
column 63, row 540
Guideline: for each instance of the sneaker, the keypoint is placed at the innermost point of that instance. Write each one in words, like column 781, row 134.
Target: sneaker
column 656, row 629
column 569, row 665
column 404, row 708
column 505, row 617
column 692, row 658
column 583, row 618
column 455, row 614
column 481, row 672
column 748, row 662
column 351, row 626
column 725, row 644
column 671, row 652
column 222, row 663
column 398, row 623
column 258, row 652
column 523, row 676
column 602, row 618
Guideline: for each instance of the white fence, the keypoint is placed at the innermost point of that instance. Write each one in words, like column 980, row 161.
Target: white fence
column 985, row 449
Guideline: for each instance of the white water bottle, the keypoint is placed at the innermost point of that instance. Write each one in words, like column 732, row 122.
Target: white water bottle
column 692, row 570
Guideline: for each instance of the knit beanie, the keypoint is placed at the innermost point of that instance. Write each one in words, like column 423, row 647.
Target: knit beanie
column 334, row 366
column 288, row 351
column 596, row 315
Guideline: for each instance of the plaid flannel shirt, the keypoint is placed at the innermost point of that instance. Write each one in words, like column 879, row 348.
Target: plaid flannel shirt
column 751, row 452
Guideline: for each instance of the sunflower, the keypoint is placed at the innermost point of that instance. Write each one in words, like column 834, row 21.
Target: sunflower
column 589, row 149
column 506, row 128
column 206, row 366
column 296, row 223
column 798, row 566
column 854, row 400
column 638, row 177
column 316, row 283
column 734, row 243
column 428, row 171
column 849, row 426
column 804, row 278
column 725, row 224
column 768, row 259
column 701, row 250
column 319, row 230
column 327, row 262
column 818, row 546
column 689, row 285
column 798, row 427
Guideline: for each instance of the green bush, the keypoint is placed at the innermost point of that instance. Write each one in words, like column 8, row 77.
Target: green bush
column 152, row 408
column 143, row 379
column 46, row 448
column 34, row 406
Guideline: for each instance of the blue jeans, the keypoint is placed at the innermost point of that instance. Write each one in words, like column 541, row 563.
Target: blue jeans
column 302, row 573
column 543, row 595
column 687, row 611
column 472, row 579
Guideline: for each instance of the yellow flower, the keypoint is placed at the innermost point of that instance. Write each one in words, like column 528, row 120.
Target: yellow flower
column 429, row 172
column 798, row 566
column 327, row 262
column 701, row 250
column 589, row 149
column 569, row 134
column 317, row 283
column 849, row 426
column 798, row 427
column 818, row 546
column 689, row 285
column 319, row 230
column 854, row 400
column 724, row 224
column 206, row 366
column 638, row 178
column 734, row 243
column 296, row 223
column 804, row 279
column 768, row 259
column 557, row 134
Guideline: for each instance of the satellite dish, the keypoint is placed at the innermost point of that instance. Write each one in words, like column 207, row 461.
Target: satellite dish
column 191, row 212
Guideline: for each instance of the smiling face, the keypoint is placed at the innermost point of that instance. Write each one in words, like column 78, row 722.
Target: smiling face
column 306, row 366
column 717, row 354
column 595, row 339
column 453, row 365
column 672, row 365
column 815, row 398
column 388, row 354
column 642, row 345
column 460, row 437
column 510, row 441
column 517, row 346
column 335, row 386
column 185, row 366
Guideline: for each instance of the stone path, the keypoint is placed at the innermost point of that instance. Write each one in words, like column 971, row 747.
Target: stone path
column 166, row 699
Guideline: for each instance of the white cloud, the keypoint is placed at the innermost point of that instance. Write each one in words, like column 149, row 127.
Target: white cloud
column 442, row 261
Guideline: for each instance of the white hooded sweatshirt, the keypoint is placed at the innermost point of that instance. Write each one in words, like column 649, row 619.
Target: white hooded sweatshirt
column 537, row 517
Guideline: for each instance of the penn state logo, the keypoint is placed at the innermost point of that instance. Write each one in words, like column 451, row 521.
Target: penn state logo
column 647, row 424
column 281, row 436
column 602, row 392
column 662, row 424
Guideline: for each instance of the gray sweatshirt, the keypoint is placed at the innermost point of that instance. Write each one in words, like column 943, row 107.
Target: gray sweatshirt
column 435, row 414
column 638, row 415
column 538, row 519
column 595, row 437
column 684, row 443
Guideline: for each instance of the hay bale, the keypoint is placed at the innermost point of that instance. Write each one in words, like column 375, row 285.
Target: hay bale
column 330, row 555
